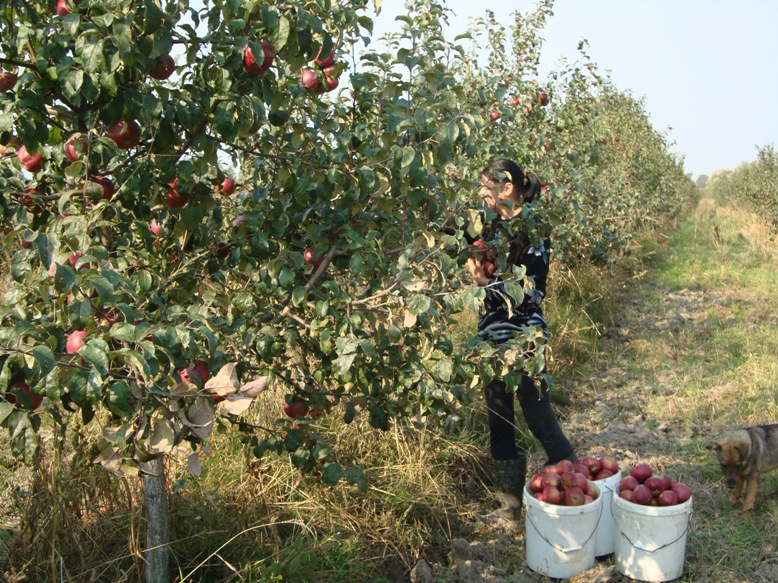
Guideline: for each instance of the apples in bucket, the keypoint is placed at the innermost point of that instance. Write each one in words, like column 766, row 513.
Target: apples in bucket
column 644, row 487
column 561, row 484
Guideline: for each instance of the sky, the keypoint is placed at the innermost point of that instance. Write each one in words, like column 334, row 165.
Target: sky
column 706, row 70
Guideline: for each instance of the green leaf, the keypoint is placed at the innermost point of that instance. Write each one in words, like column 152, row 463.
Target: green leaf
column 331, row 474
column 281, row 33
column 44, row 357
column 419, row 304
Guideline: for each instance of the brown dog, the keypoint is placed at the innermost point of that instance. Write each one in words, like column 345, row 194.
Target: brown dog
column 744, row 455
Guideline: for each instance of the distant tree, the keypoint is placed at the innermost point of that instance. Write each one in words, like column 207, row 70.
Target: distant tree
column 702, row 180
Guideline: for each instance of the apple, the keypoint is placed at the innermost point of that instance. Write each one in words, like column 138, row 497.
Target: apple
column 7, row 81
column 540, row 496
column 488, row 268
column 75, row 341
column 494, row 116
column 514, row 101
column 573, row 497
column 608, row 462
column 163, row 69
column 569, row 480
column 74, row 147
column 298, row 408
column 603, row 474
column 324, row 62
column 29, row 401
column 667, row 498
column 196, row 373
column 582, row 469
column 108, row 188
column 591, row 490
column 592, row 464
column 641, row 472
column 155, row 227
column 552, row 495
column 627, row 495
column 125, row 134
column 655, row 484
column 310, row 80
column 227, row 187
column 642, row 495
column 239, row 221
column 310, row 259
column 174, row 199
column 62, row 7
column 543, row 98
column 315, row 413
column 682, row 491
column 32, row 162
column 331, row 79
column 552, row 479
column 73, row 260
column 628, row 483
column 250, row 63
column 536, row 483
column 565, row 466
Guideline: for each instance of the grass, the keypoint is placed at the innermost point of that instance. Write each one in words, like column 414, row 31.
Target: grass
column 687, row 322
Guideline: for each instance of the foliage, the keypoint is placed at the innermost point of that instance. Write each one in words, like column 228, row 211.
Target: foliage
column 166, row 272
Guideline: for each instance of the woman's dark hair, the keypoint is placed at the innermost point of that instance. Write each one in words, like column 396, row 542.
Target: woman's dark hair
column 503, row 170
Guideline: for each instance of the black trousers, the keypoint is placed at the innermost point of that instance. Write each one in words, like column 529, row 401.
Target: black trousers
column 540, row 418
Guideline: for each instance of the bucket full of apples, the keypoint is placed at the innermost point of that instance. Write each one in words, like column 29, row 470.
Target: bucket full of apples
column 562, row 509
column 652, row 515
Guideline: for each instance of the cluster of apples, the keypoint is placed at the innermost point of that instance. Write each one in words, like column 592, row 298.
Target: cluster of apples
column 643, row 487
column 311, row 79
column 566, row 483
column 486, row 255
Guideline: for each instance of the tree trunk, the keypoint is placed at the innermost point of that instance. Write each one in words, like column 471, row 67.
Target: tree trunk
column 157, row 552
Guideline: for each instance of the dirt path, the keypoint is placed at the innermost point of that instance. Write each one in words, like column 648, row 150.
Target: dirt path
column 631, row 407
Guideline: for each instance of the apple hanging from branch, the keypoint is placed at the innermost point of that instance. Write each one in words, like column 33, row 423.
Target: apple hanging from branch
column 250, row 62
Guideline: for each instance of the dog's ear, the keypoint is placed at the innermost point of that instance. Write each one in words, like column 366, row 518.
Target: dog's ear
column 743, row 448
column 715, row 447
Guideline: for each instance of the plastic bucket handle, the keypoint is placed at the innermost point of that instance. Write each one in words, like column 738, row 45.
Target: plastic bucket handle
column 569, row 549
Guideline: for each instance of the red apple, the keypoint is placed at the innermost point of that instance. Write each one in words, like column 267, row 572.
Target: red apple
column 540, row 496
column 310, row 80
column 32, row 162
column 488, row 268
column 155, row 227
column 592, row 464
column 298, row 408
column 552, row 479
column 107, row 184
column 608, row 462
column 573, row 497
column 331, row 78
column 581, row 481
column 75, row 341
column 7, row 81
column 175, row 199
column 591, row 490
column 324, row 62
column 682, row 491
column 582, row 469
column 536, row 483
column 602, row 474
column 642, row 495
column 627, row 495
column 310, row 259
column 655, row 484
column 315, row 413
column 75, row 147
column 641, row 472
column 227, row 187
column 73, row 260
column 628, row 483
column 19, row 394
column 250, row 63
column 514, row 101
column 125, row 134
column 62, row 7
column 552, row 495
column 196, row 373
column 163, row 69
column 569, row 480
column 494, row 116
column 543, row 98
column 667, row 498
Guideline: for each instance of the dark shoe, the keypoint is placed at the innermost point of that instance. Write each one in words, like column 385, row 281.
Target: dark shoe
column 509, row 479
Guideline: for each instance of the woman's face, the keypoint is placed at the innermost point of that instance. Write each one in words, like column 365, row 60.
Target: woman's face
column 495, row 194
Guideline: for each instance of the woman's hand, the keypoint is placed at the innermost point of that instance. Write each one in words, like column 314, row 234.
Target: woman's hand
column 477, row 271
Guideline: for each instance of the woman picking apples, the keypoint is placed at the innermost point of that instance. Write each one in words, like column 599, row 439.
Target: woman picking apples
column 505, row 189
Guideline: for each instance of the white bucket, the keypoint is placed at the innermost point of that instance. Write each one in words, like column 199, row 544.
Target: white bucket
column 606, row 529
column 560, row 540
column 651, row 543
